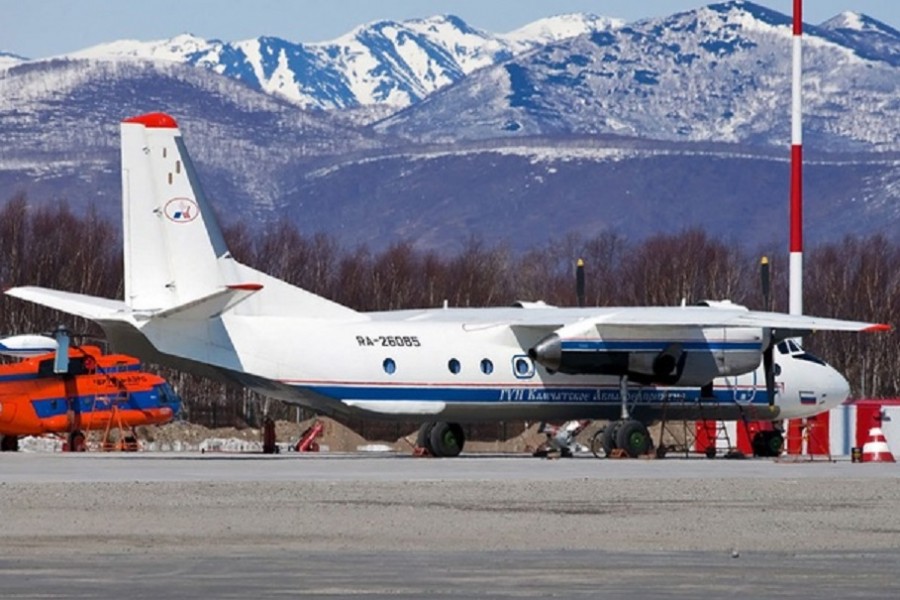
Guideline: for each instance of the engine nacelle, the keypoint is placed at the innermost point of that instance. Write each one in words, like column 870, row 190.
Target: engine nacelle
column 687, row 357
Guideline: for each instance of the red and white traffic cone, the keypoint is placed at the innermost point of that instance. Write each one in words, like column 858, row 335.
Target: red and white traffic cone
column 876, row 449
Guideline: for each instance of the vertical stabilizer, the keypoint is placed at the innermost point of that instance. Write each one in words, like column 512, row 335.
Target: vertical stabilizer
column 172, row 240
column 175, row 255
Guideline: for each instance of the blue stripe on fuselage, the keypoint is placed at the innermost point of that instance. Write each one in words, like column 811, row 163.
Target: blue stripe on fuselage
column 35, row 375
column 651, row 346
column 536, row 394
column 49, row 407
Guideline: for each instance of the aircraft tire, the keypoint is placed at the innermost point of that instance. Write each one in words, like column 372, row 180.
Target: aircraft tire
column 597, row 448
column 76, row 442
column 131, row 444
column 423, row 439
column 633, row 437
column 775, row 443
column 447, row 439
column 767, row 443
column 9, row 443
column 608, row 441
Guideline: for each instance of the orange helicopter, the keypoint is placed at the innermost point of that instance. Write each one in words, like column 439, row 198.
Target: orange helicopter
column 65, row 390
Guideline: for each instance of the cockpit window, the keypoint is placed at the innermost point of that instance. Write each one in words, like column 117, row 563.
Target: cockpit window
column 790, row 347
column 810, row 358
column 796, row 351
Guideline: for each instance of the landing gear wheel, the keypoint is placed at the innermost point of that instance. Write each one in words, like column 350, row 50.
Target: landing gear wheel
column 633, row 438
column 9, row 443
column 608, row 440
column 597, row 448
column 76, row 442
column 447, row 439
column 767, row 443
column 775, row 443
column 423, row 439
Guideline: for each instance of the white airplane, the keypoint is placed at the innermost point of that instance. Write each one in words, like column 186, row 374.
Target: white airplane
column 190, row 305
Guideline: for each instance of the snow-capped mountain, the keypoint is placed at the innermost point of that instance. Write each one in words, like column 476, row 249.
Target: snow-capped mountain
column 59, row 121
column 381, row 63
column 671, row 122
column 718, row 73
column 8, row 59
column 871, row 38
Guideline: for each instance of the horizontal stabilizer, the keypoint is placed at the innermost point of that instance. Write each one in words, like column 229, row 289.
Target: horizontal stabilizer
column 89, row 307
column 212, row 305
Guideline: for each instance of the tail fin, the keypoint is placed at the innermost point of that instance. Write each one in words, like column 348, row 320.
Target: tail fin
column 175, row 253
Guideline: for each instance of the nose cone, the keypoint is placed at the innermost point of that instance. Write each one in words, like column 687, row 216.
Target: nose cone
column 835, row 388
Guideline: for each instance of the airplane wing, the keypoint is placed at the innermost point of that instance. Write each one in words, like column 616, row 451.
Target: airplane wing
column 712, row 317
column 644, row 318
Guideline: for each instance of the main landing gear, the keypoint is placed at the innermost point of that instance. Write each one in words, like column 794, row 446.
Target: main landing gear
column 629, row 436
column 441, row 439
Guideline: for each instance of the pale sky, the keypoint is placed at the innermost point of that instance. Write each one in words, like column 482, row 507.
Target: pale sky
column 40, row 28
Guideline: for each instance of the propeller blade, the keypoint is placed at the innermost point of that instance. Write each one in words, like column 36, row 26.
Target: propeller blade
column 765, row 280
column 579, row 282
column 769, row 368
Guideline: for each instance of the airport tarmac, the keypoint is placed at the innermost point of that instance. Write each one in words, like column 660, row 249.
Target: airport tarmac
column 342, row 526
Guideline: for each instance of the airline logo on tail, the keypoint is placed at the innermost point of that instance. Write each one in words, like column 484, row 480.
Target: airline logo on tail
column 181, row 210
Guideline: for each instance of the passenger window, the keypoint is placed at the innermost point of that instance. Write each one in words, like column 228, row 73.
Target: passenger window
column 523, row 368
column 487, row 367
column 454, row 366
column 389, row 366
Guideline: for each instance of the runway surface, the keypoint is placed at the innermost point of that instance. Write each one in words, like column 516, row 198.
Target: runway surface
column 351, row 526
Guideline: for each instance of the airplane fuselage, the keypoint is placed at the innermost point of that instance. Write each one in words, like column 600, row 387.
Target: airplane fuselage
column 433, row 365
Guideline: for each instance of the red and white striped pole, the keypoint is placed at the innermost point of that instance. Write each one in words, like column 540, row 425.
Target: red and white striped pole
column 796, row 243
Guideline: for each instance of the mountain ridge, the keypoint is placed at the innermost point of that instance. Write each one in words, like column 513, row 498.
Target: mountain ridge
column 673, row 122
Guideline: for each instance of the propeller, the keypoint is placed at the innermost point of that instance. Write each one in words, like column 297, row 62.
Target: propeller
column 769, row 352
column 579, row 282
